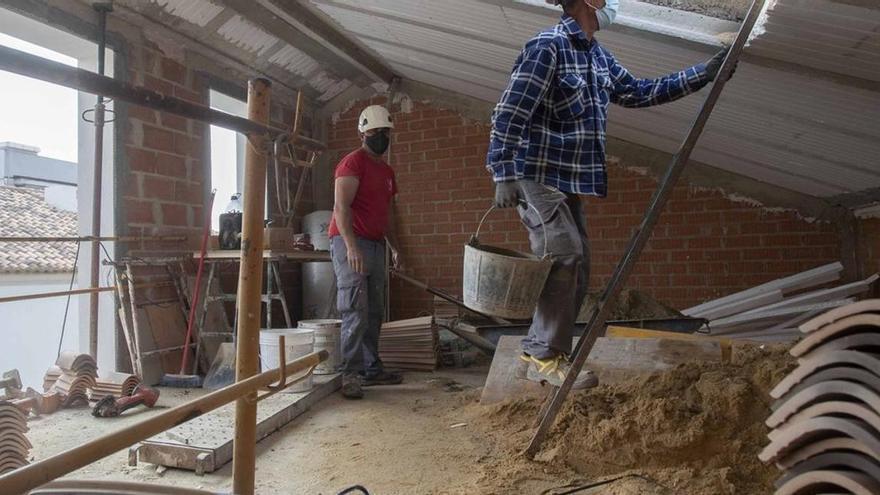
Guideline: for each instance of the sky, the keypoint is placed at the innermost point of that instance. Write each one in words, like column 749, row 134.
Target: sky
column 38, row 113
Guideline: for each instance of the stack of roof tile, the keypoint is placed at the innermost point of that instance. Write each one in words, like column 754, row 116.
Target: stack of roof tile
column 826, row 419
column 114, row 384
column 14, row 445
column 78, row 373
column 50, row 378
column 409, row 344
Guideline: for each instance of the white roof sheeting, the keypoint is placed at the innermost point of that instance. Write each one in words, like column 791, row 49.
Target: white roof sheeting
column 801, row 112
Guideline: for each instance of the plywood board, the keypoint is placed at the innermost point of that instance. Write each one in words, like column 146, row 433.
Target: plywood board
column 204, row 444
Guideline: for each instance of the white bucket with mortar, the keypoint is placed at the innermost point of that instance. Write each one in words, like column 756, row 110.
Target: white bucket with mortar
column 298, row 342
column 328, row 337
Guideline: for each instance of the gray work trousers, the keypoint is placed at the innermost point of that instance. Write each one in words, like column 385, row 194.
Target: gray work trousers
column 566, row 286
column 360, row 299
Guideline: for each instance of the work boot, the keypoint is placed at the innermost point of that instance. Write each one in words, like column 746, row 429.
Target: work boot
column 554, row 370
column 382, row 378
column 351, row 386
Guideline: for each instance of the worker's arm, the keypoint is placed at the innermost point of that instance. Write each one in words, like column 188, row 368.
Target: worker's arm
column 345, row 189
column 391, row 237
column 529, row 82
column 632, row 92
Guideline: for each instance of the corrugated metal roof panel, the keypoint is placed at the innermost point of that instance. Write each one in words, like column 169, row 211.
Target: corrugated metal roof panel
column 294, row 60
column 821, row 34
column 247, row 35
column 198, row 12
column 793, row 128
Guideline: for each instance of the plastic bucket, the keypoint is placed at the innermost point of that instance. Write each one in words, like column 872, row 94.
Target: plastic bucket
column 328, row 337
column 502, row 282
column 297, row 343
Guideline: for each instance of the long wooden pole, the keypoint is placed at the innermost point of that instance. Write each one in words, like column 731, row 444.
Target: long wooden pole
column 250, row 281
column 640, row 238
column 33, row 475
column 89, row 238
column 43, row 295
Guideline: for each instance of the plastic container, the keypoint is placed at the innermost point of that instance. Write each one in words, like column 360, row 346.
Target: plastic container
column 316, row 224
column 328, row 336
column 297, row 343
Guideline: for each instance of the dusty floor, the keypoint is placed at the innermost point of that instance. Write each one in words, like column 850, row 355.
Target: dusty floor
column 396, row 441
column 694, row 429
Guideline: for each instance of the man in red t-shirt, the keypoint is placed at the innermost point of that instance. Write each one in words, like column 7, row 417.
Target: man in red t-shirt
column 361, row 224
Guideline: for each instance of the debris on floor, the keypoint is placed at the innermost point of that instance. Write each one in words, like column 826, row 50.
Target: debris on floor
column 630, row 305
column 693, row 429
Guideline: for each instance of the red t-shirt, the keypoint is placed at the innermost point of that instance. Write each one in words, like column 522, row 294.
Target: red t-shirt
column 372, row 202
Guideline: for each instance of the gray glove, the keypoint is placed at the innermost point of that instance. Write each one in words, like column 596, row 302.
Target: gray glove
column 507, row 194
column 713, row 65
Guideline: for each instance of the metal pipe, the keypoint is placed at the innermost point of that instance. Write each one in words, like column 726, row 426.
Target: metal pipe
column 640, row 238
column 44, row 295
column 97, row 170
column 250, row 281
column 39, row 473
column 89, row 238
column 28, row 65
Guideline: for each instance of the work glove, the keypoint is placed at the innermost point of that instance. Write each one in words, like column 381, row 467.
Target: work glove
column 713, row 65
column 507, row 194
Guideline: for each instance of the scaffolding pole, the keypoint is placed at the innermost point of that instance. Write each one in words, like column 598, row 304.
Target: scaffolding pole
column 250, row 280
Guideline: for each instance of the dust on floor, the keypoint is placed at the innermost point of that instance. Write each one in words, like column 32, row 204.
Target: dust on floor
column 695, row 429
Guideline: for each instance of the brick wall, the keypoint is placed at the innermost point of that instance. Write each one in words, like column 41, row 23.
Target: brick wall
column 164, row 191
column 704, row 246
column 166, row 163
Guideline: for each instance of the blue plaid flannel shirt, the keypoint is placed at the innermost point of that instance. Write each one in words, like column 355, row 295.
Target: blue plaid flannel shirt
column 549, row 126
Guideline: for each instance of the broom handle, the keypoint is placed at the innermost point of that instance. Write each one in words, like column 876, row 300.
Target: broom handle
column 206, row 233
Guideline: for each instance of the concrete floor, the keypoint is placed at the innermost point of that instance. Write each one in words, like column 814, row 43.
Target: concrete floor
column 396, row 440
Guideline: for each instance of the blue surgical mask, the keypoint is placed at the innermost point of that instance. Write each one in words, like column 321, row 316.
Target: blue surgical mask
column 606, row 14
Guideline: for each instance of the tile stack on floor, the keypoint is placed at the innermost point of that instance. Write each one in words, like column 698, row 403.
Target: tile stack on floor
column 826, row 418
column 78, row 373
column 409, row 344
column 114, row 384
column 445, row 310
column 14, row 445
column 772, row 311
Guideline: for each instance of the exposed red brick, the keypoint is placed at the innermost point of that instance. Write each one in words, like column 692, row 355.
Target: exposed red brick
column 173, row 71
column 157, row 138
column 157, row 187
column 140, row 160
column 173, row 214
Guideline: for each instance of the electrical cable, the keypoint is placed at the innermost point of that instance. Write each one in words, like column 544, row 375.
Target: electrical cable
column 67, row 305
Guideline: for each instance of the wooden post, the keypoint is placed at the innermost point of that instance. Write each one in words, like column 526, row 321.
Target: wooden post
column 250, row 281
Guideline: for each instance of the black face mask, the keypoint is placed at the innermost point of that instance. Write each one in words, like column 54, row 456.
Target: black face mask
column 378, row 143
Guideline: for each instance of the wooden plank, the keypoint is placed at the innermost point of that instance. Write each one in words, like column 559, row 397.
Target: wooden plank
column 736, row 322
column 819, row 296
column 810, row 278
column 742, row 305
column 204, row 444
column 230, row 254
column 616, row 332
column 611, row 358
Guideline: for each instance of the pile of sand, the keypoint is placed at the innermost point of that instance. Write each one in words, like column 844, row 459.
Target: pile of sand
column 695, row 429
column 629, row 305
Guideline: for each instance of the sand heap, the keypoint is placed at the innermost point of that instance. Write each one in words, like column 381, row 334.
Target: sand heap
column 694, row 429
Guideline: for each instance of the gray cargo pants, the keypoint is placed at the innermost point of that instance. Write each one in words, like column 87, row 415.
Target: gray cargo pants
column 566, row 286
column 360, row 298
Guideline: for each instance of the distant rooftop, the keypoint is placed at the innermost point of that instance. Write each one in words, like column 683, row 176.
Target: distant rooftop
column 25, row 212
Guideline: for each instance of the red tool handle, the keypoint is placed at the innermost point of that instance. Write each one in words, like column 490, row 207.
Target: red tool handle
column 195, row 296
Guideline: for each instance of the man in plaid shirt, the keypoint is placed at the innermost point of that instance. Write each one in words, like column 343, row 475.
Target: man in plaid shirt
column 548, row 146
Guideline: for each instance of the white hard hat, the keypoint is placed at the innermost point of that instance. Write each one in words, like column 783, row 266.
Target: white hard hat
column 374, row 117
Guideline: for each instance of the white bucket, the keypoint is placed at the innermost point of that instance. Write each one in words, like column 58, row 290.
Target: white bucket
column 328, row 337
column 297, row 343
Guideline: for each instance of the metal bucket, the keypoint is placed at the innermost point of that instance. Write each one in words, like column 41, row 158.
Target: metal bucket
column 327, row 337
column 502, row 282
